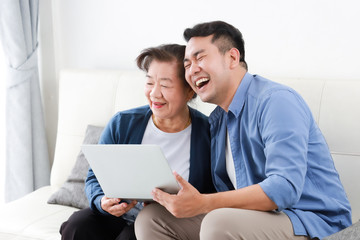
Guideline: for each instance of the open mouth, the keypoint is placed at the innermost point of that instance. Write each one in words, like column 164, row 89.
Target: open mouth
column 202, row 82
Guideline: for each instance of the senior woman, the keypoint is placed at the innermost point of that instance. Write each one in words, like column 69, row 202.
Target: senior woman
column 181, row 132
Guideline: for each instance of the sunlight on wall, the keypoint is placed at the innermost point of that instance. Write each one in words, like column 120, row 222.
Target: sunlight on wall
column 2, row 125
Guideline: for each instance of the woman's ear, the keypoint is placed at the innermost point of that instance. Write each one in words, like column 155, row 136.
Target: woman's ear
column 234, row 57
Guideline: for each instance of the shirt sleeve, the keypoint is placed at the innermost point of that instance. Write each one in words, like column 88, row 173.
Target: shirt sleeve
column 284, row 125
column 94, row 193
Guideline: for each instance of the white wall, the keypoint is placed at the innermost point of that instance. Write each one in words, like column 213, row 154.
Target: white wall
column 49, row 82
column 284, row 38
column 2, row 124
column 304, row 38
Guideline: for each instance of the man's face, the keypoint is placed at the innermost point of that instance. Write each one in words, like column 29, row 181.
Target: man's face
column 206, row 69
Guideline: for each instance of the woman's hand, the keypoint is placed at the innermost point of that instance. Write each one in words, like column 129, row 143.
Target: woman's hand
column 114, row 207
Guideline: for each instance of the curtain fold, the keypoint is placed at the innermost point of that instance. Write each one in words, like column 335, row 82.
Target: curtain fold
column 27, row 159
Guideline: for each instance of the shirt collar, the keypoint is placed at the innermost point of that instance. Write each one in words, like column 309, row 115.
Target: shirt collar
column 238, row 101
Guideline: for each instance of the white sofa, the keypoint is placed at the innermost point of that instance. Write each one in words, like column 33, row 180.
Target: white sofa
column 93, row 96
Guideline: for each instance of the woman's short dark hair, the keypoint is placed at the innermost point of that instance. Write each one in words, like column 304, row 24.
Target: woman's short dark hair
column 229, row 35
column 164, row 53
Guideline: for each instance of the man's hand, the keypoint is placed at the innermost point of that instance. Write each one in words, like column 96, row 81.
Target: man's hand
column 188, row 202
column 112, row 206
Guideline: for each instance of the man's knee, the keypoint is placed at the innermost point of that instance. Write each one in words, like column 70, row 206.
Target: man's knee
column 155, row 222
column 213, row 225
column 225, row 223
column 146, row 220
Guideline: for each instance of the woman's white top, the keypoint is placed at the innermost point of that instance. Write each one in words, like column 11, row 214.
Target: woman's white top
column 175, row 146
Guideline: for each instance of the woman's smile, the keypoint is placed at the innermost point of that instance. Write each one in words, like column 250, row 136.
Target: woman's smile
column 158, row 105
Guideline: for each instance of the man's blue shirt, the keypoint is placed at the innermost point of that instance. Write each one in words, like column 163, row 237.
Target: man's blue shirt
column 276, row 143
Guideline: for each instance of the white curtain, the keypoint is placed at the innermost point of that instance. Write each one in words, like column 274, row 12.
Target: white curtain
column 27, row 159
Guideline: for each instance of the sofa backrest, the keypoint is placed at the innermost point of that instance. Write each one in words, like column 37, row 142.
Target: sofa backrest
column 93, row 96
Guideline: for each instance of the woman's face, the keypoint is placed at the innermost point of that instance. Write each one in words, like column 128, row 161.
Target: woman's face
column 165, row 91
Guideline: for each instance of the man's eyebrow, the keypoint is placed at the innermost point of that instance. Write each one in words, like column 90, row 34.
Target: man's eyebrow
column 194, row 54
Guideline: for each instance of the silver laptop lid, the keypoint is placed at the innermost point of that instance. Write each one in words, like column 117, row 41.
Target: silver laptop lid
column 130, row 171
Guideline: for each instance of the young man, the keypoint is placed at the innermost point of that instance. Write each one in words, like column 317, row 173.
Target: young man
column 270, row 163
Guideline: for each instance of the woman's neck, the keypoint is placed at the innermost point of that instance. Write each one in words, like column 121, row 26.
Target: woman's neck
column 173, row 125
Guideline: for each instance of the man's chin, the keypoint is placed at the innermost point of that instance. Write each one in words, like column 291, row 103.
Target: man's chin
column 204, row 98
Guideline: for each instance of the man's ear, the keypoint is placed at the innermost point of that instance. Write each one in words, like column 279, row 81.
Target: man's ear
column 234, row 57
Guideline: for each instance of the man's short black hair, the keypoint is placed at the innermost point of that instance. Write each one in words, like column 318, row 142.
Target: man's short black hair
column 229, row 35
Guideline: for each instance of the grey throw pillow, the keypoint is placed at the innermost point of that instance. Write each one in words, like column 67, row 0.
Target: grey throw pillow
column 72, row 192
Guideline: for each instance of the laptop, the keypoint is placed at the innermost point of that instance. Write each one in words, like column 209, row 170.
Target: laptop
column 130, row 171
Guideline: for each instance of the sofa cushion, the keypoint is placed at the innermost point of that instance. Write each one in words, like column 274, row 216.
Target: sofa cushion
column 72, row 191
column 30, row 217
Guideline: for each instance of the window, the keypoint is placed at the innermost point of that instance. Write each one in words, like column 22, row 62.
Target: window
column 2, row 123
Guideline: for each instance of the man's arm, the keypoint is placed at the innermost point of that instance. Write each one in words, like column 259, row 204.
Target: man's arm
column 189, row 202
